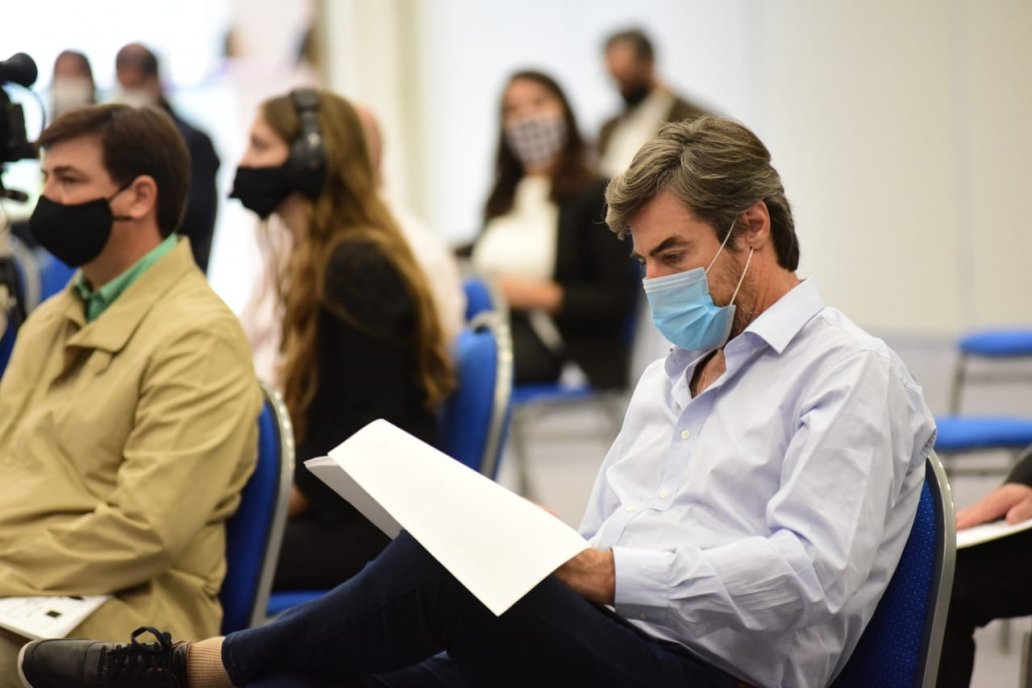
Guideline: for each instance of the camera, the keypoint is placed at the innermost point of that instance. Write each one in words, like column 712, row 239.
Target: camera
column 14, row 144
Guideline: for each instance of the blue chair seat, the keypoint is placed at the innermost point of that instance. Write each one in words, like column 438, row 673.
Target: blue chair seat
column 973, row 433
column 998, row 343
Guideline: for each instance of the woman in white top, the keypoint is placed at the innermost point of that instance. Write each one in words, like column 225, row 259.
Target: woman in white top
column 568, row 280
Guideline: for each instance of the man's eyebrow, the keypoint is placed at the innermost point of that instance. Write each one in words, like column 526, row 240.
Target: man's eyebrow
column 665, row 245
column 669, row 243
column 62, row 169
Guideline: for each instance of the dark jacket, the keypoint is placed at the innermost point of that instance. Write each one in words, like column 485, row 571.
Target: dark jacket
column 600, row 289
column 202, row 200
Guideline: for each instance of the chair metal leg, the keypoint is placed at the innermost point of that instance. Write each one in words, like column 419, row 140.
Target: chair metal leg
column 1006, row 632
column 517, row 432
column 1025, row 680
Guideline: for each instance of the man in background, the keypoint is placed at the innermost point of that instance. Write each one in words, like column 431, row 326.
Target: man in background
column 136, row 68
column 648, row 103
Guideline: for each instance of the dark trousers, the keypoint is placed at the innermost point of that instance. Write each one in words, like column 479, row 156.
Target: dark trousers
column 317, row 556
column 533, row 361
column 992, row 581
column 393, row 620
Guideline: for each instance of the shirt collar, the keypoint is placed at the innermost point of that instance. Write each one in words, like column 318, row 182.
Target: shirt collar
column 96, row 301
column 776, row 326
column 124, row 315
column 779, row 324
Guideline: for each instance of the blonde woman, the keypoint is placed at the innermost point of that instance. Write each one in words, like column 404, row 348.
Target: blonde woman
column 361, row 338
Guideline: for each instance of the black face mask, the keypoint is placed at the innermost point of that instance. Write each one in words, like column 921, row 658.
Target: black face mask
column 75, row 234
column 262, row 189
column 633, row 95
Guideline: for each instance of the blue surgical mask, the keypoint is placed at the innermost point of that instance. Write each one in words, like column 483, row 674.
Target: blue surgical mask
column 683, row 310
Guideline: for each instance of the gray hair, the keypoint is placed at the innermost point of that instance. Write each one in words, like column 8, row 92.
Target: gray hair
column 718, row 168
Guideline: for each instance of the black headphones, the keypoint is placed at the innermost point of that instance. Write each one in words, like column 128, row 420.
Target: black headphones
column 307, row 161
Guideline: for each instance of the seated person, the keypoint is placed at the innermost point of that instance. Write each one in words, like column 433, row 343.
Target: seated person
column 990, row 580
column 743, row 526
column 361, row 337
column 128, row 414
column 570, row 288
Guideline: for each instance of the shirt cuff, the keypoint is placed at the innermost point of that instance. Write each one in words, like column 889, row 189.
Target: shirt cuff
column 641, row 577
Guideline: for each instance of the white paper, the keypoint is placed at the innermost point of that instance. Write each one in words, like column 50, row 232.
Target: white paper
column 46, row 617
column 493, row 541
column 976, row 535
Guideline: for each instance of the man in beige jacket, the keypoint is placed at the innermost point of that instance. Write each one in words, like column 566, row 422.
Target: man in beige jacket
column 128, row 411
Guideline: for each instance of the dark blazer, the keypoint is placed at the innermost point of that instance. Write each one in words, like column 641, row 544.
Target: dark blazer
column 600, row 289
column 202, row 200
column 680, row 109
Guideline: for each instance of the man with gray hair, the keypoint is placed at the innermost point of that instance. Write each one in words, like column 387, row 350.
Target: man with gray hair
column 743, row 526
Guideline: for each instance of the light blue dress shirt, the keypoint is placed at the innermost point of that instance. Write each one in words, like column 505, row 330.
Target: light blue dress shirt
column 758, row 523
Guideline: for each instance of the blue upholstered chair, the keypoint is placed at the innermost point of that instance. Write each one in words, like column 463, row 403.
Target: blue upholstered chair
column 901, row 646
column 531, row 401
column 254, row 533
column 7, row 336
column 17, row 274
column 53, row 275
column 481, row 296
column 475, row 419
column 961, row 433
column 989, row 345
column 473, row 422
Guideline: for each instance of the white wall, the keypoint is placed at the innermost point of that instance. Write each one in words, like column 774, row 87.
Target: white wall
column 901, row 129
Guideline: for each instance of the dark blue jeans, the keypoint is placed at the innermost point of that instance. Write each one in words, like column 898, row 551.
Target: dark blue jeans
column 389, row 625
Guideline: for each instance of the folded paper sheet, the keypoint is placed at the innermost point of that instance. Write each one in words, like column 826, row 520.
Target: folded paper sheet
column 493, row 541
column 976, row 535
column 46, row 617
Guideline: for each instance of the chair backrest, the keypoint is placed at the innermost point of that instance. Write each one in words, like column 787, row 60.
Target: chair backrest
column 475, row 419
column 254, row 533
column 13, row 279
column 994, row 344
column 54, row 276
column 902, row 643
column 482, row 296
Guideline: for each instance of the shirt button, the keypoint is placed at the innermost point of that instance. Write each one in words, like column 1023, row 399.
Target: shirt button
column 664, row 493
column 685, row 434
column 628, row 509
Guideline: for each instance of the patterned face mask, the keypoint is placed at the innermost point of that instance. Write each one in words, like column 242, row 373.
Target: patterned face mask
column 537, row 140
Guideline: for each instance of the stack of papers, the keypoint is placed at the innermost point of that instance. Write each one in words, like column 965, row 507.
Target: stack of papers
column 976, row 535
column 497, row 544
column 46, row 617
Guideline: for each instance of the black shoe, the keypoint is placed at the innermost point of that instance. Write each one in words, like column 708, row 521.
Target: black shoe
column 89, row 664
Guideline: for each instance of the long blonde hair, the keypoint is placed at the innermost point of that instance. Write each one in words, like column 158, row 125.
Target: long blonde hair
column 348, row 209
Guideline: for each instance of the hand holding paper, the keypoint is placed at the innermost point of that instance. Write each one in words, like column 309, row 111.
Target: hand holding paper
column 497, row 544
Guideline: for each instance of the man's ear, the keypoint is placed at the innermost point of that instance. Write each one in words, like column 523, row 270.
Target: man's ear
column 756, row 221
column 143, row 195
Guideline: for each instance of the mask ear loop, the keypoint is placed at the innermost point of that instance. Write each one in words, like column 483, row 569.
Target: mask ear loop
column 121, row 218
column 722, row 245
column 742, row 278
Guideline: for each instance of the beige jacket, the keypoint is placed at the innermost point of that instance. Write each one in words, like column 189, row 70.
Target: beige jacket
column 124, row 444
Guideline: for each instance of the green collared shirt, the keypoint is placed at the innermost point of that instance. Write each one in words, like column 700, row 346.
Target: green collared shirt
column 98, row 300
